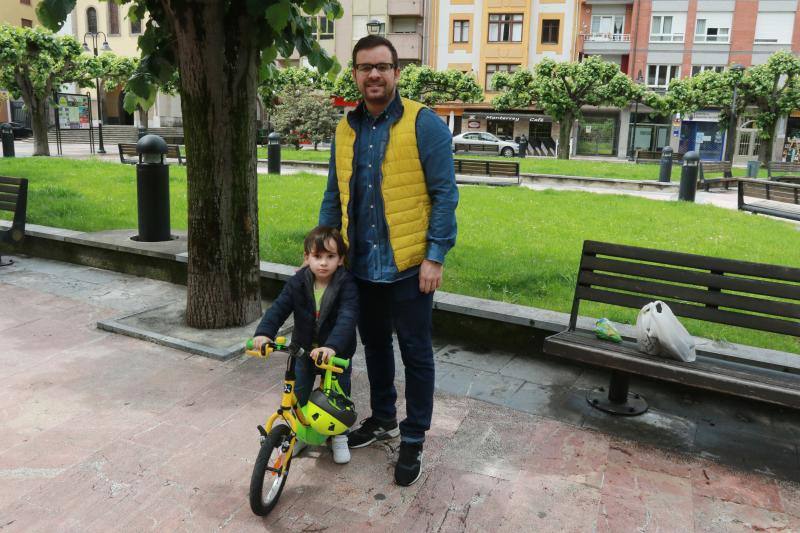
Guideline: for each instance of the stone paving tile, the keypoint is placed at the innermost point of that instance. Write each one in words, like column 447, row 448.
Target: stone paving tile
column 718, row 516
column 642, row 500
column 474, row 358
column 721, row 482
column 542, row 400
column 541, row 371
column 790, row 497
column 647, row 457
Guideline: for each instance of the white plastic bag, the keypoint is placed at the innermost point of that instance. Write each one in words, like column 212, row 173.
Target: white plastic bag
column 658, row 332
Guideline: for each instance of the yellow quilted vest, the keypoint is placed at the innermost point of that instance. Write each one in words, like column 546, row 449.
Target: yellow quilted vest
column 406, row 203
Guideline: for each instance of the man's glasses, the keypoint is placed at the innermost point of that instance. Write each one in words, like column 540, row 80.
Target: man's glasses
column 366, row 68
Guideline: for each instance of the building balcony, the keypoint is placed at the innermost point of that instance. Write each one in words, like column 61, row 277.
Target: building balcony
column 606, row 43
column 405, row 8
column 607, row 2
column 408, row 45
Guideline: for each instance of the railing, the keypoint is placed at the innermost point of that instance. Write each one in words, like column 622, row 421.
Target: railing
column 666, row 38
column 606, row 37
column 720, row 39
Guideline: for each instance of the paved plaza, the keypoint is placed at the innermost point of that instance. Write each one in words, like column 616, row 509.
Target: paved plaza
column 103, row 432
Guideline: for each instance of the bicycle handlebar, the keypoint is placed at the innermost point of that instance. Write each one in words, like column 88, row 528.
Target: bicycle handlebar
column 336, row 364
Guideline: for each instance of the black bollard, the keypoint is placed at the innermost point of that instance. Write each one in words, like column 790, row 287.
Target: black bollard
column 101, row 149
column 141, row 132
column 152, row 190
column 688, row 188
column 665, row 172
column 7, row 133
column 274, row 153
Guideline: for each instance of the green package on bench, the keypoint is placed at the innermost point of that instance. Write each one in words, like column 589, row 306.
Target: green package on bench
column 605, row 330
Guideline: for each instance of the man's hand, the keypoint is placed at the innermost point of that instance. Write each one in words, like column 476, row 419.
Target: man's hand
column 430, row 276
column 321, row 355
column 260, row 341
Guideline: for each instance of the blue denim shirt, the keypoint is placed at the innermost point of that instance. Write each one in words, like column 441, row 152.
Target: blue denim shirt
column 370, row 252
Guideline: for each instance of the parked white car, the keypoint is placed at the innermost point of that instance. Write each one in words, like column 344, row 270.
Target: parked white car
column 480, row 141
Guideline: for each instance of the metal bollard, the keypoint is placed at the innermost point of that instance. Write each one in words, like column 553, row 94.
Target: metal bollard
column 152, row 190
column 141, row 132
column 7, row 134
column 688, row 188
column 274, row 153
column 665, row 172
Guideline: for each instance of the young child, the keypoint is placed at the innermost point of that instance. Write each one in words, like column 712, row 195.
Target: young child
column 324, row 300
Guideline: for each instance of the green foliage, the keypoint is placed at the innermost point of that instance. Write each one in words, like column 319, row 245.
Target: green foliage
column 430, row 86
column 34, row 62
column 290, row 79
column 345, row 86
column 273, row 27
column 305, row 115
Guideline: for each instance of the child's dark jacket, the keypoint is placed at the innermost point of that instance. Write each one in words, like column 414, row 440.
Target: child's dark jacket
column 336, row 327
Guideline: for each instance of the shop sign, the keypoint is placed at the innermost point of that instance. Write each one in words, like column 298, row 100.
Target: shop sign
column 473, row 124
column 704, row 116
column 502, row 117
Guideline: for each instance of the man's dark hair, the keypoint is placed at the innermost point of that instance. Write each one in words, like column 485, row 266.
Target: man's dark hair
column 373, row 41
column 318, row 237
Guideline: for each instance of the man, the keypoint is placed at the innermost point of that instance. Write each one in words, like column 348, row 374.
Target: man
column 392, row 191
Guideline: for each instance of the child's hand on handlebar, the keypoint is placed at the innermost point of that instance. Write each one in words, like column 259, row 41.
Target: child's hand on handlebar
column 260, row 341
column 322, row 355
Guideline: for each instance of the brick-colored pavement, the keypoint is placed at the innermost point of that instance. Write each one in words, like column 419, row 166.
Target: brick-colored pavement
column 102, row 432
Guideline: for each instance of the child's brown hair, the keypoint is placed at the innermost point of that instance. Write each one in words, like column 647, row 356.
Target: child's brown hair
column 319, row 236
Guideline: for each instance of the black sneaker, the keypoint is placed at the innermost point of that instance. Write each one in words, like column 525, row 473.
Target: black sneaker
column 409, row 464
column 372, row 429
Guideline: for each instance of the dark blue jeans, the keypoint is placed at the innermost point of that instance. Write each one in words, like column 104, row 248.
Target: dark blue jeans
column 306, row 372
column 402, row 307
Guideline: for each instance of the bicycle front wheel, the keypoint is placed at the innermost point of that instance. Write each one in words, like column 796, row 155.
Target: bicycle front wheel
column 267, row 482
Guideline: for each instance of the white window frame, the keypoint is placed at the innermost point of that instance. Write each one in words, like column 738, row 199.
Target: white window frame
column 664, row 37
column 672, row 72
column 616, row 21
column 697, row 69
column 787, row 35
column 722, row 34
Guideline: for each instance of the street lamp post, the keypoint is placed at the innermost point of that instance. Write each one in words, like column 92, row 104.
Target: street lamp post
column 94, row 36
column 639, row 81
column 730, row 144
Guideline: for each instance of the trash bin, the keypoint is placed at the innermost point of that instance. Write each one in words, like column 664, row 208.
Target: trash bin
column 752, row 168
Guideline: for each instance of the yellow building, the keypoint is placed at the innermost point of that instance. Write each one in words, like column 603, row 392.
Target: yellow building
column 19, row 13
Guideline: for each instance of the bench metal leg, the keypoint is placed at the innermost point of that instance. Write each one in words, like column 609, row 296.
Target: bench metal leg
column 616, row 399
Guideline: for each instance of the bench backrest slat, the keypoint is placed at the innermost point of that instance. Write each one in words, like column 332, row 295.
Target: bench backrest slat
column 14, row 198
column 9, row 189
column 7, row 180
column 8, row 206
column 718, row 290
column 771, row 190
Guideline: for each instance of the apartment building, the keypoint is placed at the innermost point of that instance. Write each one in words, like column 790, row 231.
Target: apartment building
column 485, row 37
column 655, row 41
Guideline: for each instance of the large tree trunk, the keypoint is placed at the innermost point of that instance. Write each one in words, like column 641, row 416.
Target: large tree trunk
column 144, row 119
column 218, row 63
column 564, row 135
column 765, row 148
column 38, row 108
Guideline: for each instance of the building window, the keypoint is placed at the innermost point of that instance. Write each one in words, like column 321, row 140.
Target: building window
column 91, row 20
column 697, row 69
column 25, row 3
column 26, row 23
column 493, row 68
column 113, row 18
column 661, row 29
column 550, row 31
column 608, row 24
column 774, row 27
column 711, row 31
column 660, row 75
column 136, row 27
column 505, row 28
column 460, row 31
column 321, row 27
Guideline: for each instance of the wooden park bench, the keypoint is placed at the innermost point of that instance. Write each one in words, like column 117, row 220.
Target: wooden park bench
column 653, row 156
column 477, row 147
column 128, row 150
column 714, row 167
column 14, row 199
column 486, row 167
column 793, row 169
column 774, row 198
column 750, row 295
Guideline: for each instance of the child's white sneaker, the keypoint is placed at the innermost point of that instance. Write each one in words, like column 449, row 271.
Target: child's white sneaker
column 341, row 452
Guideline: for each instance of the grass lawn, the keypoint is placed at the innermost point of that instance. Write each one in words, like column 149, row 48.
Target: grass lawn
column 535, row 263
column 573, row 167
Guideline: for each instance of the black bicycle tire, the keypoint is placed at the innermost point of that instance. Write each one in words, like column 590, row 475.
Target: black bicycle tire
column 273, row 440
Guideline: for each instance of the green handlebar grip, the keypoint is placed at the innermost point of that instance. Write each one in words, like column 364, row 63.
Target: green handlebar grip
column 249, row 344
column 338, row 361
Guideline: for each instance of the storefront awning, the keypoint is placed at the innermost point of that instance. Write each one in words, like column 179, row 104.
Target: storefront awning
column 513, row 117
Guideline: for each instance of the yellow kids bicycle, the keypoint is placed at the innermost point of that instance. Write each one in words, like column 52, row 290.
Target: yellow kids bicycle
column 328, row 412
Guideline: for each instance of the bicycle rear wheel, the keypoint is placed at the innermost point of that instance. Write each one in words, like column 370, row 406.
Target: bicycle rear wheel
column 267, row 482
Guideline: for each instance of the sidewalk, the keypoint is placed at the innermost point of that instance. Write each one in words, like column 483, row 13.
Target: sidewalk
column 103, row 432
